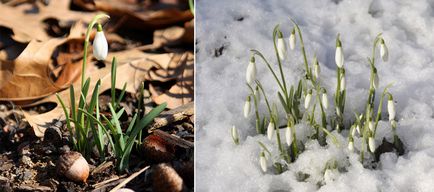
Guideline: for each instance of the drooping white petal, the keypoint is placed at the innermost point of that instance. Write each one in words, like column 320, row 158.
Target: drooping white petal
column 235, row 136
column 339, row 57
column 371, row 143
column 371, row 125
column 281, row 48
column 391, row 109
column 307, row 100
column 100, row 46
column 325, row 100
column 384, row 52
column 247, row 108
column 251, row 71
column 263, row 162
column 292, row 41
column 351, row 146
column 288, row 135
column 270, row 130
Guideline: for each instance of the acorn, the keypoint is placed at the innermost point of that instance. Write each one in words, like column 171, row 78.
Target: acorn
column 165, row 179
column 73, row 166
column 157, row 150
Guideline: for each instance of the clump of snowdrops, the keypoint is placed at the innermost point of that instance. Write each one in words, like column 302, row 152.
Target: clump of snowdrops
column 307, row 103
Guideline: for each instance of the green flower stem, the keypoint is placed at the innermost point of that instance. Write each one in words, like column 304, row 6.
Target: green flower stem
column 255, row 52
column 380, row 107
column 285, row 90
column 302, row 47
column 259, row 128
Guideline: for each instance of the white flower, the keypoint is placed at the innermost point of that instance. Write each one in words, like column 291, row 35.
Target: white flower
column 316, row 68
column 371, row 142
column 342, row 82
column 376, row 81
column 288, row 135
column 384, row 52
column 351, row 146
column 235, row 136
column 325, row 100
column 263, row 162
column 339, row 55
column 257, row 94
column 353, row 130
column 251, row 71
column 371, row 125
column 292, row 40
column 307, row 99
column 391, row 108
column 247, row 107
column 281, row 47
column 338, row 111
column 100, row 46
column 270, row 130
column 358, row 129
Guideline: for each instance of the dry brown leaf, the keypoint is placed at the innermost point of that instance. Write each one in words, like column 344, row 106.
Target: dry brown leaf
column 30, row 26
column 182, row 92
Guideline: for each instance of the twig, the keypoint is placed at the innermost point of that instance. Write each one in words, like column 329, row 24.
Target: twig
column 131, row 177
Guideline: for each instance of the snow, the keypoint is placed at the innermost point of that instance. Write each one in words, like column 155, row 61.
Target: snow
column 239, row 26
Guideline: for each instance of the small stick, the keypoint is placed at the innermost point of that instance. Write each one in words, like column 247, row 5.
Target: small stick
column 131, row 177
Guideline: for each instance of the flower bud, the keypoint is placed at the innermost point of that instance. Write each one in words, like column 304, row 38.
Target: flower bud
column 339, row 55
column 342, row 82
column 251, row 71
column 371, row 143
column 325, row 100
column 358, row 129
column 316, row 68
column 247, row 107
column 281, row 47
column 384, row 52
column 263, row 161
column 353, row 130
column 391, row 108
column 235, row 136
column 289, row 135
column 270, row 130
column 338, row 111
column 307, row 99
column 100, row 46
column 292, row 40
column 376, row 81
column 351, row 144
column 257, row 94
column 371, row 125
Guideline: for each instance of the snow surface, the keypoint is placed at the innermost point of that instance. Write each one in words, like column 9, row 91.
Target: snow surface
column 239, row 26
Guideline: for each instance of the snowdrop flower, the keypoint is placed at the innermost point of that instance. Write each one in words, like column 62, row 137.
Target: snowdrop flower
column 384, row 52
column 351, row 145
column 371, row 143
column 100, row 46
column 307, row 99
column 338, row 112
column 391, row 108
column 251, row 71
column 257, row 94
column 376, row 81
column 288, row 135
column 325, row 99
column 339, row 55
column 353, row 130
column 371, row 125
column 234, row 133
column 247, row 107
column 358, row 129
column 342, row 82
column 270, row 129
column 292, row 40
column 281, row 47
column 263, row 161
column 316, row 68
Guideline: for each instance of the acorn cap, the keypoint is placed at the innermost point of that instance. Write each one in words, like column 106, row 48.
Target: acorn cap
column 157, row 150
column 166, row 179
column 73, row 166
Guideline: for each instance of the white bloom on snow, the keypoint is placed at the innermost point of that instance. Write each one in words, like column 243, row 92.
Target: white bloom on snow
column 251, row 71
column 100, row 46
column 307, row 99
column 235, row 136
column 247, row 107
column 384, row 52
column 281, row 47
column 288, row 135
column 316, row 68
column 353, row 130
column 292, row 40
column 391, row 108
column 339, row 55
column 371, row 143
column 270, row 130
column 263, row 162
column 351, row 146
column 325, row 100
